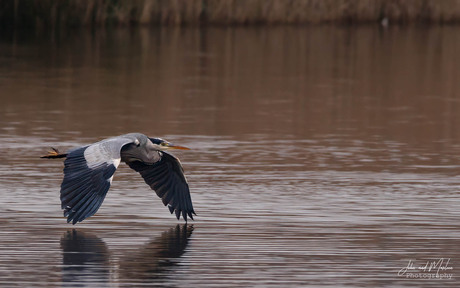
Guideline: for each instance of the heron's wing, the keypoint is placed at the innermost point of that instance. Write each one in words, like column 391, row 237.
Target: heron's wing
column 166, row 177
column 88, row 173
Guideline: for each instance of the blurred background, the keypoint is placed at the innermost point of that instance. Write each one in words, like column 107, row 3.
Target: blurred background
column 325, row 141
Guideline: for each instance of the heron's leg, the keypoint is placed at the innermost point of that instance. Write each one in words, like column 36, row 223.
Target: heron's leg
column 54, row 153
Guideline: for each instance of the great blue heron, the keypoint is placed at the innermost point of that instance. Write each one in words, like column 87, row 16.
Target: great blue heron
column 88, row 173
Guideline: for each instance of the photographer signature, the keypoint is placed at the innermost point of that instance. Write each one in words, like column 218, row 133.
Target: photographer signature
column 430, row 266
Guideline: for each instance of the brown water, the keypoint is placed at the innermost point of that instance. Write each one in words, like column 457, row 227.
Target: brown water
column 322, row 156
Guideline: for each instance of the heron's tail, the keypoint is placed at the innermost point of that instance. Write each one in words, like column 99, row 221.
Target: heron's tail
column 54, row 153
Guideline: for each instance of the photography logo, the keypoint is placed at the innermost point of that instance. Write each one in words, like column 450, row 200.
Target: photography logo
column 440, row 268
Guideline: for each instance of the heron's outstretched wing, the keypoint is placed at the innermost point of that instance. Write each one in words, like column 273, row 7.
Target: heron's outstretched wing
column 88, row 173
column 166, row 177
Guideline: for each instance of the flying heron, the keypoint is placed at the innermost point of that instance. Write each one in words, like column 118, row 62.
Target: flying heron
column 88, row 173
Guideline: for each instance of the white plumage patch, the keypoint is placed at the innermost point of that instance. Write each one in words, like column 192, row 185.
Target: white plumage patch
column 116, row 162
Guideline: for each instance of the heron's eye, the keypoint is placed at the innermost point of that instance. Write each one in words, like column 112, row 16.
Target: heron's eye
column 163, row 144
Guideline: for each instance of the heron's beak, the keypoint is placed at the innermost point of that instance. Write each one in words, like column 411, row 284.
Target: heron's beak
column 172, row 146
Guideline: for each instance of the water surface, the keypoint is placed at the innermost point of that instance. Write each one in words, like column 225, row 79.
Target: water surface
column 322, row 156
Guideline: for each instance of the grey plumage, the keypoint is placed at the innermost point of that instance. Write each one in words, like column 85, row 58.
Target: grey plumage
column 88, row 173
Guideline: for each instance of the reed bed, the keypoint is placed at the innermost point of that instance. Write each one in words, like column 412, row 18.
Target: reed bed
column 57, row 13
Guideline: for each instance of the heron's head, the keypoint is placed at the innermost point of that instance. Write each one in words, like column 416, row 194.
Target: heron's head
column 164, row 145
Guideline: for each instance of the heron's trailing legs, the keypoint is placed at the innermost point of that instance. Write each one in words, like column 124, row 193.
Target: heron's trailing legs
column 54, row 153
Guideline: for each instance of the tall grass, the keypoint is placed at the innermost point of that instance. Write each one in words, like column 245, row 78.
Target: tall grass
column 184, row 12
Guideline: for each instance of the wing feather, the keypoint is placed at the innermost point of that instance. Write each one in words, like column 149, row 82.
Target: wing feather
column 166, row 178
column 88, row 172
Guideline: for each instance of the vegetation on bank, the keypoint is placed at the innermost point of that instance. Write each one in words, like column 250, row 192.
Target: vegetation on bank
column 68, row 13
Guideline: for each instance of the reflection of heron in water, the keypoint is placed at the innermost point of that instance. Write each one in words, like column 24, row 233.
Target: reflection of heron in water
column 86, row 258
column 156, row 258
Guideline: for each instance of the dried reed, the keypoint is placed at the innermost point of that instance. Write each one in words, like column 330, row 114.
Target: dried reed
column 57, row 13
